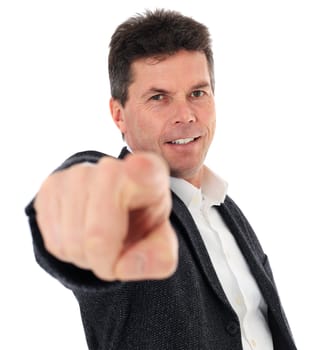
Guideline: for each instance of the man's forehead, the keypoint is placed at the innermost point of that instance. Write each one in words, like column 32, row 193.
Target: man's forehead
column 194, row 62
column 160, row 57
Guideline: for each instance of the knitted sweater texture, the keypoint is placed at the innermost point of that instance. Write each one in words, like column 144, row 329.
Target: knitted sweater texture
column 189, row 310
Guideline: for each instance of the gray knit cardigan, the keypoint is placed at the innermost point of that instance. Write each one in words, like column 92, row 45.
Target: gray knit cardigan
column 186, row 311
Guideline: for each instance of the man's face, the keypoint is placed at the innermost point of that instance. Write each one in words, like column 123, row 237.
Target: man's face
column 170, row 111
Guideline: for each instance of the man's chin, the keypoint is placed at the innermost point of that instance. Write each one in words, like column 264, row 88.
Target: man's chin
column 186, row 173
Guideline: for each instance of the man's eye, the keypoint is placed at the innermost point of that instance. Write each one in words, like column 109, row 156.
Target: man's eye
column 157, row 97
column 197, row 93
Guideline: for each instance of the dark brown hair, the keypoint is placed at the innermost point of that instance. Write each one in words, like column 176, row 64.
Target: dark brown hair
column 153, row 34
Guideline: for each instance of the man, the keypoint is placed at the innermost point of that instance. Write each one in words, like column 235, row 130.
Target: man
column 154, row 268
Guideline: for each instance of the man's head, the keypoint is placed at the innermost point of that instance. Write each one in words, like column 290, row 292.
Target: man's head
column 154, row 34
column 162, row 89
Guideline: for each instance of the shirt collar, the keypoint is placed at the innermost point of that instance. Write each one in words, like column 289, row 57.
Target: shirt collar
column 213, row 189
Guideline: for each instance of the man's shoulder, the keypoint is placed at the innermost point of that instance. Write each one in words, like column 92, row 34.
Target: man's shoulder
column 86, row 156
column 90, row 156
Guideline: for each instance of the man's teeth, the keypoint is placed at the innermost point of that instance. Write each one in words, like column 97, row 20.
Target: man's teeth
column 182, row 141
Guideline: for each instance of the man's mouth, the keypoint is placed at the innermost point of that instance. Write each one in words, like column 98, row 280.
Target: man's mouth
column 183, row 141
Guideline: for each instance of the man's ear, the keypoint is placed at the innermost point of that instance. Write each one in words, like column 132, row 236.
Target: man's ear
column 117, row 112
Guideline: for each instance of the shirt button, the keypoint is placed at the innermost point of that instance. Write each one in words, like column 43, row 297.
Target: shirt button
column 239, row 301
column 232, row 328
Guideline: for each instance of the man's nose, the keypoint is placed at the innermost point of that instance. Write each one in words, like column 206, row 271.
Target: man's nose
column 183, row 113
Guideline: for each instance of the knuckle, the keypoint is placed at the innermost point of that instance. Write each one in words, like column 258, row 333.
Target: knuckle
column 73, row 252
column 94, row 233
column 95, row 242
column 55, row 249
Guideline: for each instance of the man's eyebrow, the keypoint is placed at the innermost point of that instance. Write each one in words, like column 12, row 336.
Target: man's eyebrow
column 201, row 85
column 156, row 90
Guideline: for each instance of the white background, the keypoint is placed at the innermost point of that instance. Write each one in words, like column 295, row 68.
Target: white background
column 54, row 101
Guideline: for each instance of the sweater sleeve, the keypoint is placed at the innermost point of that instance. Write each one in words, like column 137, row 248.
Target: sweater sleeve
column 69, row 275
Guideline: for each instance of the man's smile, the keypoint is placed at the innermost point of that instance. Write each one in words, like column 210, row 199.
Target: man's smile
column 183, row 141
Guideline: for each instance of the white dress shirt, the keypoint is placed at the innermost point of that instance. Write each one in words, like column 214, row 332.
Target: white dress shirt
column 228, row 261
